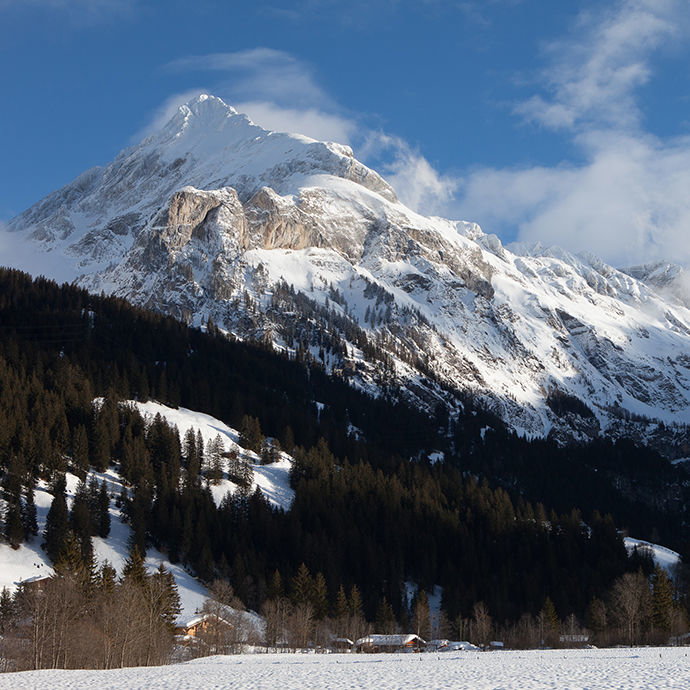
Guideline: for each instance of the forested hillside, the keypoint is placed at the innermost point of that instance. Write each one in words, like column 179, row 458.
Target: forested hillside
column 384, row 496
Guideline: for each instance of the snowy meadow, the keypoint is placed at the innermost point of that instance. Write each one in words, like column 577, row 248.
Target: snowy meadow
column 595, row 669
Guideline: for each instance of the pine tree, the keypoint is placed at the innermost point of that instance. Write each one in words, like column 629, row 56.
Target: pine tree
column 302, row 586
column 251, row 436
column 80, row 448
column 163, row 584
column 57, row 523
column 29, row 519
column 7, row 610
column 355, row 603
column 134, row 570
column 385, row 618
column 340, row 608
column 80, row 520
column 275, row 586
column 14, row 529
column 106, row 580
column 215, row 460
column 73, row 564
column 662, row 600
column 320, row 597
column 548, row 619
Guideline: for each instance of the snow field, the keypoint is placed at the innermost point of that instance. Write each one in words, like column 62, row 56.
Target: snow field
column 594, row 669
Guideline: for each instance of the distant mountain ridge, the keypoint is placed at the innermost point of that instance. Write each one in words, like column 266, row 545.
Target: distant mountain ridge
column 283, row 239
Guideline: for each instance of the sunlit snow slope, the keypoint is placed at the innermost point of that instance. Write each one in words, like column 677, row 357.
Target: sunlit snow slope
column 29, row 560
column 280, row 238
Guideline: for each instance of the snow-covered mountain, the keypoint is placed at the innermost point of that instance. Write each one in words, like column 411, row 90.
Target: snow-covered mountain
column 280, row 238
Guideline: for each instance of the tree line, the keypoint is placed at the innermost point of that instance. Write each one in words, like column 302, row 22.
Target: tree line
column 505, row 522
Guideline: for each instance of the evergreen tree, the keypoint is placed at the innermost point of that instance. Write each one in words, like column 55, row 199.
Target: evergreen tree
column 385, row 618
column 134, row 570
column 29, row 513
column 275, row 586
column 340, row 608
column 73, row 564
column 355, row 602
column 549, row 622
column 167, row 599
column 81, row 519
column 80, row 448
column 57, row 523
column 302, row 586
column 14, row 529
column 7, row 610
column 662, row 600
column 320, row 597
column 251, row 436
column 215, row 459
column 106, row 580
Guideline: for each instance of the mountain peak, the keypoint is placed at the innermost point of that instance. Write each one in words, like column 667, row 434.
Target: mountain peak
column 205, row 109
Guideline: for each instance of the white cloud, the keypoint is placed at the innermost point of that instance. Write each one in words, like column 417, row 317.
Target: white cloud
column 261, row 74
column 416, row 182
column 17, row 251
column 311, row 122
column 594, row 74
column 628, row 200
column 80, row 12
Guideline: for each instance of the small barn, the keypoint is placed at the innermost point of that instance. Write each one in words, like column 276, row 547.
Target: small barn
column 341, row 644
column 436, row 645
column 37, row 583
column 374, row 644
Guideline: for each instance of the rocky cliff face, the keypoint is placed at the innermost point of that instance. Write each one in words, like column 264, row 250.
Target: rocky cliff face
column 284, row 239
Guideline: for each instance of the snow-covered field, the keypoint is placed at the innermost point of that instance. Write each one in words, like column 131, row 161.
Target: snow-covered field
column 594, row 669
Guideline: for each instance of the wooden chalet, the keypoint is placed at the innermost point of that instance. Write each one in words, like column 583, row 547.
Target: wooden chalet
column 37, row 583
column 200, row 624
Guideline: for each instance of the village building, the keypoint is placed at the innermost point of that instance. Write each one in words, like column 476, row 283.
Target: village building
column 341, row 644
column 37, row 583
column 200, row 624
column 389, row 643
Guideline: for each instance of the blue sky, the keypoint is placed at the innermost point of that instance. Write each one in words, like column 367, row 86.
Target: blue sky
column 562, row 122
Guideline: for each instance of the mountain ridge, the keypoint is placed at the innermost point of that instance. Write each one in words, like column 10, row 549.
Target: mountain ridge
column 282, row 239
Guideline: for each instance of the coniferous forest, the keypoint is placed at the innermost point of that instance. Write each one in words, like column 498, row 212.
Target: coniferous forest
column 511, row 529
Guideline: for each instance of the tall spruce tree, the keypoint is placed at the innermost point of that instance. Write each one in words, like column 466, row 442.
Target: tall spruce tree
column 57, row 523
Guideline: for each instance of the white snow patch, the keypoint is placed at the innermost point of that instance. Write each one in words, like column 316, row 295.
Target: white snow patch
column 272, row 479
column 666, row 558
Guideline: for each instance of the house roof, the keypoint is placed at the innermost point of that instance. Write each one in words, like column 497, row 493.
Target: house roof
column 389, row 640
column 191, row 622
